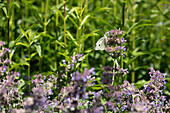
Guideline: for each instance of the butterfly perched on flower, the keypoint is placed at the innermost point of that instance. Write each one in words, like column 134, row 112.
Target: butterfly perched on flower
column 101, row 43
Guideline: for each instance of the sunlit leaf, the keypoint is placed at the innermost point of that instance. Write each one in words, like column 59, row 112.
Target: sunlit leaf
column 20, row 43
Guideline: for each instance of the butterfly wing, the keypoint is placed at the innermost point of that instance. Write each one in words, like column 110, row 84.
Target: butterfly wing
column 101, row 43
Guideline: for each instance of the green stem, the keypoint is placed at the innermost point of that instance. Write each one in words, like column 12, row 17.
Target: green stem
column 133, row 41
column 65, row 27
column 56, row 46
column 104, row 56
column 115, row 10
column 45, row 20
column 29, row 56
column 8, row 26
column 40, row 64
column 113, row 71
column 123, row 22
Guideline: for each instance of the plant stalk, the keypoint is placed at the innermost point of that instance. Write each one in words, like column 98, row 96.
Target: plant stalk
column 8, row 26
column 65, row 27
column 133, row 41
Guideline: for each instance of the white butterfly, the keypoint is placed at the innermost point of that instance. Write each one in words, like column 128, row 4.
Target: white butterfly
column 101, row 43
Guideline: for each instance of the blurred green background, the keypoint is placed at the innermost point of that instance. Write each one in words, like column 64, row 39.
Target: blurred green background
column 42, row 33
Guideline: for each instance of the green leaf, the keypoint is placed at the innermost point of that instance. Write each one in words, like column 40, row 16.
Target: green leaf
column 137, row 25
column 84, row 20
column 58, row 6
column 19, row 64
column 77, row 65
column 85, row 37
column 67, row 58
column 99, row 10
column 38, row 48
column 33, row 54
column 74, row 22
column 17, row 4
column 97, row 87
column 103, row 22
column 27, row 59
column 20, row 43
column 141, row 67
column 71, row 37
column 164, row 1
column 24, row 33
column 140, row 83
column 60, row 43
column 12, row 53
column 70, row 13
column 88, row 50
column 12, row 43
column 60, row 14
column 5, row 11
column 22, row 83
column 167, row 93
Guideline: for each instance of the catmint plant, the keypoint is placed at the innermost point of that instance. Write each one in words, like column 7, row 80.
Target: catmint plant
column 10, row 97
column 114, row 46
column 115, row 43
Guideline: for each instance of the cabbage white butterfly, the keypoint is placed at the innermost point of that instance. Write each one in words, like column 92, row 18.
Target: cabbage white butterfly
column 101, row 43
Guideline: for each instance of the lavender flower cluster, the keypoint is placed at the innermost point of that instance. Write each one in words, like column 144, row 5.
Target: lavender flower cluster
column 115, row 43
column 109, row 73
column 74, row 59
column 126, row 98
column 72, row 97
column 8, row 84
